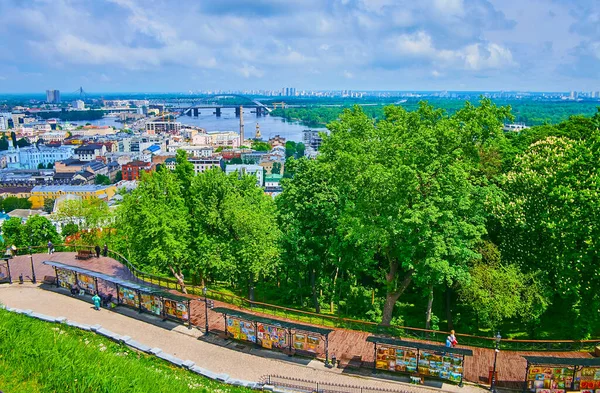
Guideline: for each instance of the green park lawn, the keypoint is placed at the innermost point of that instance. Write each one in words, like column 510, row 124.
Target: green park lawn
column 37, row 356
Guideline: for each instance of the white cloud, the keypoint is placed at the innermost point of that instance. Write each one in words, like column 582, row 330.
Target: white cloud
column 348, row 75
column 248, row 71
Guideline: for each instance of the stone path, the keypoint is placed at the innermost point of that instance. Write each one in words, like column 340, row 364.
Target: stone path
column 511, row 365
column 219, row 356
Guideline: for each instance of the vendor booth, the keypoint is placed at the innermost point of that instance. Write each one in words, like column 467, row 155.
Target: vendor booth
column 416, row 358
column 5, row 271
column 128, row 293
column 289, row 337
column 558, row 375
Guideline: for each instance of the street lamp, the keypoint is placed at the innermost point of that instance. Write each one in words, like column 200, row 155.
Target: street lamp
column 31, row 259
column 498, row 338
column 205, row 312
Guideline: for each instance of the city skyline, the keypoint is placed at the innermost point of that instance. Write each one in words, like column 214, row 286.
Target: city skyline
column 435, row 45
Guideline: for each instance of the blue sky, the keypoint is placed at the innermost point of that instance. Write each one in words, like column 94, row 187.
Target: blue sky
column 152, row 45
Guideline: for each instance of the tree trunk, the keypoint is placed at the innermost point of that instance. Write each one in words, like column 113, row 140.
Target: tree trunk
column 331, row 306
column 179, row 277
column 392, row 296
column 429, row 306
column 314, row 291
column 449, row 307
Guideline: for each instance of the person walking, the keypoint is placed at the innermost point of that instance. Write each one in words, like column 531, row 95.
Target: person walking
column 50, row 247
column 97, row 248
column 96, row 299
column 105, row 250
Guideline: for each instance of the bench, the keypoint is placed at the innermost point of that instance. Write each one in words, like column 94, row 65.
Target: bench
column 84, row 254
column 50, row 280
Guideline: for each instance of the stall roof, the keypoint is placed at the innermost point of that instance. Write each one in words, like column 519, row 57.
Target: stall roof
column 116, row 280
column 543, row 360
column 414, row 344
column 274, row 322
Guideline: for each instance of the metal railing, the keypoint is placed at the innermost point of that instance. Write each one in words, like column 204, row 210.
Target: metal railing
column 303, row 385
column 331, row 320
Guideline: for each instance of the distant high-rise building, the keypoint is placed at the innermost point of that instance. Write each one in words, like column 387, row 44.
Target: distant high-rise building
column 288, row 91
column 78, row 104
column 52, row 96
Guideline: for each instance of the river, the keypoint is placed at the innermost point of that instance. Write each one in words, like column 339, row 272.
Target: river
column 269, row 126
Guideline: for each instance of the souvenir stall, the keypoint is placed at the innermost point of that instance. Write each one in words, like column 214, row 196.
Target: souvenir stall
column 175, row 307
column 127, row 293
column 275, row 334
column 66, row 278
column 5, row 271
column 558, row 375
column 416, row 358
column 87, row 283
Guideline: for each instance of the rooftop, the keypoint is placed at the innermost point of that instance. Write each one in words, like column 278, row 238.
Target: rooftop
column 67, row 188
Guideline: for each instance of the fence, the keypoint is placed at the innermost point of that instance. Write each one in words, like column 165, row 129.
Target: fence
column 331, row 320
column 302, row 385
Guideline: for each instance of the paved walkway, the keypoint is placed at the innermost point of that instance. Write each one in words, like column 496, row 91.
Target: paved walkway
column 220, row 356
column 511, row 365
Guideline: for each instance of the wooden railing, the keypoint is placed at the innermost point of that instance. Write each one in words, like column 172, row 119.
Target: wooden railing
column 334, row 321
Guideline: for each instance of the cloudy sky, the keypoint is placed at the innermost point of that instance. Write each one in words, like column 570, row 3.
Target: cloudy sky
column 152, row 45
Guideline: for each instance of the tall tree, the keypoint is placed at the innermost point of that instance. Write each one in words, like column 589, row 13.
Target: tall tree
column 549, row 215
column 153, row 223
column 233, row 228
column 407, row 191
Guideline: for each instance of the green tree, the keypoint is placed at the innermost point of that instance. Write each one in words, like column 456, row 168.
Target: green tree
column 48, row 205
column 38, row 230
column 41, row 166
column 90, row 213
column 408, row 195
column 69, row 229
column 11, row 203
column 4, row 143
column 233, row 228
column 276, row 169
column 548, row 217
column 497, row 291
column 119, row 176
column 300, row 148
column 102, row 179
column 153, row 222
column 309, row 211
column 260, row 146
column 50, row 165
column 290, row 149
column 13, row 232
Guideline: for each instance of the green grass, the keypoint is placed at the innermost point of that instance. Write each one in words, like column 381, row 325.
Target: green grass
column 37, row 356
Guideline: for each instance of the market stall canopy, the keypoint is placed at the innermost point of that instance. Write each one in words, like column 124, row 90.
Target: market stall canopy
column 119, row 281
column 413, row 344
column 547, row 360
column 274, row 322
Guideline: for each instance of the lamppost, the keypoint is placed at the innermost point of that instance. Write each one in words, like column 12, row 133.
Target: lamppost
column 31, row 259
column 205, row 312
column 493, row 384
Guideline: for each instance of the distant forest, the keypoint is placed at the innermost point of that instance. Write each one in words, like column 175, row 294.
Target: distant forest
column 530, row 112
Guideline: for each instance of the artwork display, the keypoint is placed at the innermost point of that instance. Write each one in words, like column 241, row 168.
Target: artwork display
column 241, row 330
column 305, row 342
column 589, row 379
column 129, row 297
column 441, row 365
column 175, row 309
column 550, row 379
column 86, row 283
column 270, row 336
column 66, row 278
column 396, row 359
column 151, row 303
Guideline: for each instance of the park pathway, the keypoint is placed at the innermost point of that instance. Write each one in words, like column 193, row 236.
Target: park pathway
column 342, row 342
